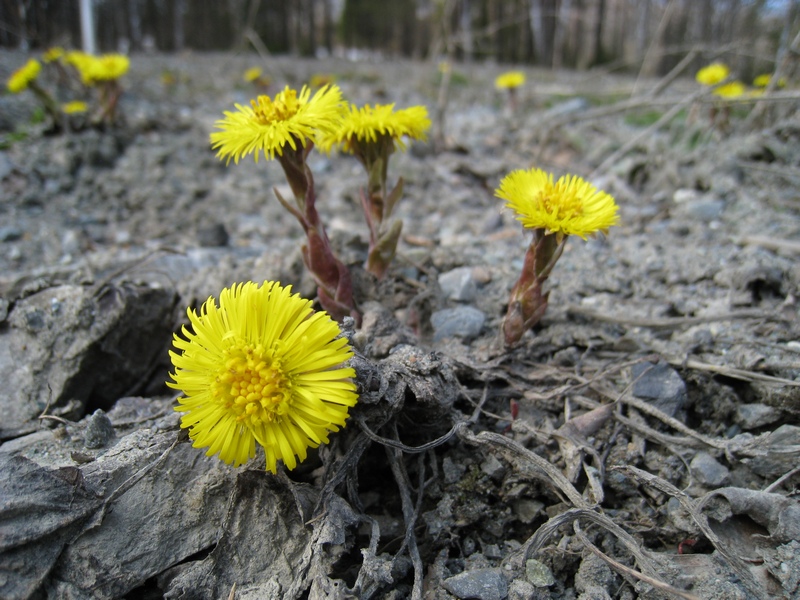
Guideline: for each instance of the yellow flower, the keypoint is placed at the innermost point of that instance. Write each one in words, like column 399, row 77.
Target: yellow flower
column 509, row 80
column 268, row 125
column 570, row 206
column 367, row 125
column 53, row 54
column 107, row 67
column 262, row 367
column 712, row 74
column 763, row 80
column 319, row 79
column 734, row 89
column 251, row 74
column 22, row 77
column 75, row 107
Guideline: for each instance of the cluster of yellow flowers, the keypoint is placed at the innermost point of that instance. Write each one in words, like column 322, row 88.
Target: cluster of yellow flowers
column 716, row 74
column 101, row 72
column 263, row 367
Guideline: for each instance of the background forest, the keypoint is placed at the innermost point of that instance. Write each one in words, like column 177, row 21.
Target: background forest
column 649, row 36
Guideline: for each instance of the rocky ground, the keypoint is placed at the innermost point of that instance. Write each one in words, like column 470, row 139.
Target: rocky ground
column 643, row 441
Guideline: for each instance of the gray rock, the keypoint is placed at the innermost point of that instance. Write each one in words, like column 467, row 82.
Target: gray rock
column 452, row 470
column 99, row 431
column 478, row 584
column 659, row 384
column 520, row 590
column 9, row 233
column 708, row 471
column 571, row 106
column 213, row 236
column 464, row 322
column 67, row 343
column 6, row 166
column 538, row 573
column 493, row 467
column 753, row 416
column 459, row 284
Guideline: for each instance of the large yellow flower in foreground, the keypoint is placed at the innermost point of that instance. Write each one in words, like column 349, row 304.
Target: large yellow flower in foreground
column 712, row 74
column 368, row 124
column 268, row 125
column 262, row 367
column 570, row 206
column 22, row 77
column 509, row 80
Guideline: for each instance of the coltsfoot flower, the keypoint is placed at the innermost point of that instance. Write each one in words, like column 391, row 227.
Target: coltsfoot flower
column 267, row 125
column 733, row 89
column 509, row 80
column 554, row 211
column 24, row 76
column 570, row 206
column 252, row 74
column 712, row 74
column 262, row 367
column 368, row 125
column 74, row 107
column 106, row 67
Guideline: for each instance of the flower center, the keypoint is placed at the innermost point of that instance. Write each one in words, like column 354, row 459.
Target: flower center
column 282, row 108
column 252, row 385
column 561, row 203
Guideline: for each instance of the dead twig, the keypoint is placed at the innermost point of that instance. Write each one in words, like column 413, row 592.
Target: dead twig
column 624, row 570
column 531, row 462
column 732, row 372
column 690, row 506
column 673, row 322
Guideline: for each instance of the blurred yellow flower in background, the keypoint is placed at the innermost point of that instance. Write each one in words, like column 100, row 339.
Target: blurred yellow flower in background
column 53, row 54
column 22, row 77
column 252, row 74
column 509, row 80
column 262, row 367
column 570, row 206
column 712, row 74
column 734, row 89
column 75, row 107
column 268, row 125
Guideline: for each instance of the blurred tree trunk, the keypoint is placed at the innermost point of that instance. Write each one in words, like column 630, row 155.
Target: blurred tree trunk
column 560, row 36
column 466, row 30
column 536, row 21
column 327, row 25
column 177, row 25
column 599, row 53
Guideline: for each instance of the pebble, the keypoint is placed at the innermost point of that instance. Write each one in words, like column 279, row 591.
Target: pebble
column 459, row 284
column 753, row 416
column 659, row 384
column 708, row 471
column 538, row 573
column 464, row 322
column 520, row 590
column 99, row 431
column 493, row 467
column 478, row 584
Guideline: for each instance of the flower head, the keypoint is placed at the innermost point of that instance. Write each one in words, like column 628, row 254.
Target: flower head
column 53, row 54
column 107, row 67
column 509, row 80
column 262, row 367
column 570, row 206
column 75, row 107
column 22, row 77
column 268, row 125
column 763, row 80
column 369, row 125
column 734, row 89
column 712, row 74
column 252, row 74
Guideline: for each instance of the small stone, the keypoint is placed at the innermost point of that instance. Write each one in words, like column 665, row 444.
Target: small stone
column 708, row 471
column 99, row 431
column 538, row 573
column 10, row 233
column 493, row 467
column 659, row 384
column 463, row 322
column 520, row 590
column 478, row 584
column 453, row 471
column 527, row 510
column 213, row 236
column 753, row 416
column 459, row 284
